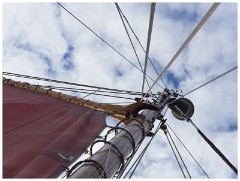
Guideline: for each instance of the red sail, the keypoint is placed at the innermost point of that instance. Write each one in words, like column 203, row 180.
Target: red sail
column 42, row 134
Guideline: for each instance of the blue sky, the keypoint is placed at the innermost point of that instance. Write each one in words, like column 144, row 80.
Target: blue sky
column 41, row 39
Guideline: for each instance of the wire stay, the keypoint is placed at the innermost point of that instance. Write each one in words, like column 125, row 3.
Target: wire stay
column 153, row 5
column 94, row 93
column 215, row 148
column 102, row 39
column 225, row 73
column 86, row 91
column 70, row 83
column 187, row 150
column 121, row 16
column 140, row 44
column 187, row 41
column 179, row 154
column 166, row 133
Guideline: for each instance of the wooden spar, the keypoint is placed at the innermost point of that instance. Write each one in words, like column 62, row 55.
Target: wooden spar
column 87, row 103
column 108, row 157
column 116, row 111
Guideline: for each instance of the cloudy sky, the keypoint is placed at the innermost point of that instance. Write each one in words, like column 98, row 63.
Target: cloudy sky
column 43, row 40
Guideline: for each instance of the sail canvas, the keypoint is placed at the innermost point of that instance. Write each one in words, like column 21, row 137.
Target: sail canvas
column 42, row 134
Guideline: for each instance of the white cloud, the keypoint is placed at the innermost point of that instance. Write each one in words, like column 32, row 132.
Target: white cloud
column 33, row 32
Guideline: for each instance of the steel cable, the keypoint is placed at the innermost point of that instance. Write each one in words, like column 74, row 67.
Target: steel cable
column 175, row 155
column 188, row 151
column 67, row 83
column 179, row 154
column 101, row 39
column 141, row 45
column 118, row 8
column 225, row 73
column 187, row 41
column 153, row 5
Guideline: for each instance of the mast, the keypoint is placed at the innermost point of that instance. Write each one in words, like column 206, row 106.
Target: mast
column 109, row 159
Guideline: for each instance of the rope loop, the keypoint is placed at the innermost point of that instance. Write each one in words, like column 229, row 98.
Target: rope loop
column 59, row 95
column 87, row 161
column 37, row 86
column 135, row 119
column 123, row 129
column 114, row 146
column 72, row 98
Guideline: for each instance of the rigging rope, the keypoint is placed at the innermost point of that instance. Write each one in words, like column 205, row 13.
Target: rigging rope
column 141, row 45
column 68, row 83
column 234, row 68
column 187, row 41
column 93, row 93
column 179, row 154
column 117, row 102
column 118, row 8
column 174, row 154
column 107, row 159
column 140, row 156
column 128, row 161
column 187, row 150
column 91, row 90
column 102, row 39
column 211, row 144
column 153, row 5
column 215, row 148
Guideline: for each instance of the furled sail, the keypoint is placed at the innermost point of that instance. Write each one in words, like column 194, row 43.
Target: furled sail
column 43, row 134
